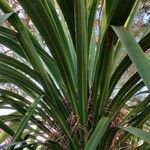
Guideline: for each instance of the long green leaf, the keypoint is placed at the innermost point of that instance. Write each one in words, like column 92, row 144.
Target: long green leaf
column 127, row 25
column 138, row 132
column 113, row 13
column 105, row 72
column 67, row 8
column 138, row 108
column 119, row 100
column 64, row 55
column 19, row 66
column 32, row 55
column 9, row 39
column 81, row 48
column 97, row 134
column 20, row 108
column 138, row 121
column 126, row 63
column 25, row 119
column 91, row 17
column 136, row 54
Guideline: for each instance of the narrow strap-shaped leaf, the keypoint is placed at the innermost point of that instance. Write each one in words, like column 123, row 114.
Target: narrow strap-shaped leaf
column 81, row 48
column 138, row 133
column 105, row 65
column 12, row 44
column 31, row 53
column 113, row 13
column 25, row 119
column 126, row 62
column 67, row 8
column 120, row 14
column 20, row 108
column 138, row 108
column 132, row 14
column 97, row 134
column 27, row 44
column 49, row 22
column 91, row 58
column 9, row 39
column 44, row 114
column 57, row 114
column 18, row 65
column 91, row 17
column 29, row 91
column 136, row 54
column 18, row 78
column 138, row 121
column 8, row 32
column 11, row 117
column 107, row 138
column 120, row 101
column 127, row 25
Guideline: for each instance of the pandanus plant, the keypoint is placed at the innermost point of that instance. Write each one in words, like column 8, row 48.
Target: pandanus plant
column 71, row 76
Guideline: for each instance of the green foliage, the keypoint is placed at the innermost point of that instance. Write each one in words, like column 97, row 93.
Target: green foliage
column 139, row 133
column 76, row 77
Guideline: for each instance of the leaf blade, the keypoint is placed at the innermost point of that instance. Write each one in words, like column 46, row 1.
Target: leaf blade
column 135, row 53
column 25, row 119
column 138, row 132
column 97, row 134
